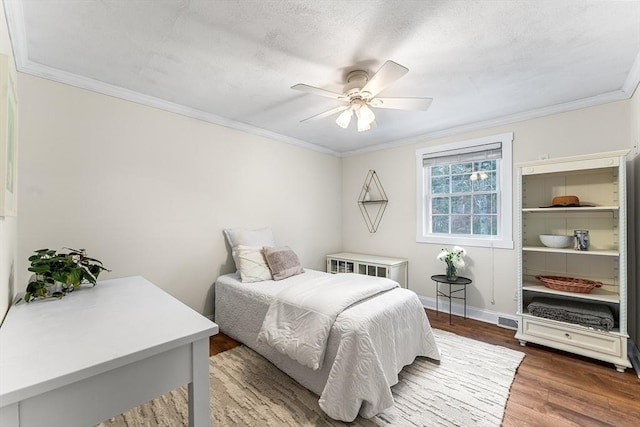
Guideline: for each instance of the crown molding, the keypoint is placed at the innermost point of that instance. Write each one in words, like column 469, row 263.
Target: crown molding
column 60, row 76
column 633, row 78
column 71, row 79
column 15, row 21
column 604, row 98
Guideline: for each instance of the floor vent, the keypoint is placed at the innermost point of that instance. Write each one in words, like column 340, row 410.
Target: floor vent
column 507, row 322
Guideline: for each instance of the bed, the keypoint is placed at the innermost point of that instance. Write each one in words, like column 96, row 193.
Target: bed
column 367, row 346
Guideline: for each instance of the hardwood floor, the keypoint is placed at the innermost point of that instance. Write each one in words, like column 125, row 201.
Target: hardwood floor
column 551, row 388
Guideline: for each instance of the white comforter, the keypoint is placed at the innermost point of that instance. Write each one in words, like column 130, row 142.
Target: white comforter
column 300, row 318
column 369, row 344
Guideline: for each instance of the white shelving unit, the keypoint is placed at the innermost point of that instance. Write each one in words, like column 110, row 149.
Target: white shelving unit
column 371, row 265
column 599, row 180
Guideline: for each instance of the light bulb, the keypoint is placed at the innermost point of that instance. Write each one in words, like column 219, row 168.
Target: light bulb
column 474, row 177
column 362, row 126
column 366, row 114
column 344, row 118
column 483, row 175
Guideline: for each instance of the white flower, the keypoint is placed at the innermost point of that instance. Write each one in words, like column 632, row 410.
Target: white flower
column 459, row 251
column 453, row 257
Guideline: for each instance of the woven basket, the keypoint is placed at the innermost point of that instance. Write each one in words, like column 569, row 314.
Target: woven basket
column 569, row 284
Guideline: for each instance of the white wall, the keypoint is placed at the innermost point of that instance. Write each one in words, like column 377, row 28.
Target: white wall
column 596, row 129
column 149, row 192
column 8, row 225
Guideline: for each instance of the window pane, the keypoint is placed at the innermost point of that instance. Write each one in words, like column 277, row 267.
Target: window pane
column 485, row 225
column 461, row 224
column 461, row 168
column 440, row 205
column 440, row 170
column 460, row 183
column 440, row 224
column 486, row 184
column 461, row 204
column 440, row 185
column 486, row 165
column 485, row 204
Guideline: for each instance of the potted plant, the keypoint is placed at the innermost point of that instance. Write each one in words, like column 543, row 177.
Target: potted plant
column 57, row 274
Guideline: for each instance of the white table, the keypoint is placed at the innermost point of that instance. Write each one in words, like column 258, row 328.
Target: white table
column 99, row 352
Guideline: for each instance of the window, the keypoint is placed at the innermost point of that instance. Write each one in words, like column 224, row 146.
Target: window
column 465, row 192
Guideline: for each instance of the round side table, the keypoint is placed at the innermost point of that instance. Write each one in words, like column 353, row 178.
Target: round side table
column 461, row 282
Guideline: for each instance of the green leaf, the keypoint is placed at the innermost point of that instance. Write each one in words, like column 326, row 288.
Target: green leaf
column 59, row 276
column 39, row 269
column 74, row 277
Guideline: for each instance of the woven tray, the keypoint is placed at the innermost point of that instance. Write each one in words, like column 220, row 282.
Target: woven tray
column 569, row 284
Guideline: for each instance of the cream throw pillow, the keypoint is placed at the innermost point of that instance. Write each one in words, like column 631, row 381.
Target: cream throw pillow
column 252, row 264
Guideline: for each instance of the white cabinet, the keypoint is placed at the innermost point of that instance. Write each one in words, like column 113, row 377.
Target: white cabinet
column 371, row 265
column 599, row 181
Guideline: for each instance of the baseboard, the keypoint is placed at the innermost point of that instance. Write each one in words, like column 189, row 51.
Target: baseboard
column 634, row 356
column 475, row 313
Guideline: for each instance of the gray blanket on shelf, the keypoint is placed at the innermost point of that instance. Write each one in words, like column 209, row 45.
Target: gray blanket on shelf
column 597, row 316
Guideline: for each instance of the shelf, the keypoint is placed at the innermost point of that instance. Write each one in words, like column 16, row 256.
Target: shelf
column 571, row 251
column 366, row 202
column 574, row 209
column 597, row 294
column 599, row 181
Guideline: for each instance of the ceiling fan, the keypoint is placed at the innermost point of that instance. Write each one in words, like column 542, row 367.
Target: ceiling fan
column 360, row 93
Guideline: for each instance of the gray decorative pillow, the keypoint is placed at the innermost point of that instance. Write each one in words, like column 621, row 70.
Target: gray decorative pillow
column 282, row 261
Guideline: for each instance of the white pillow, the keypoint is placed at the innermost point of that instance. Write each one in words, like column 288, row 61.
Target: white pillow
column 246, row 237
column 252, row 265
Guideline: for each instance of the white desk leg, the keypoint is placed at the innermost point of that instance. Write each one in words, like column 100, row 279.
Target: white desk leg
column 199, row 411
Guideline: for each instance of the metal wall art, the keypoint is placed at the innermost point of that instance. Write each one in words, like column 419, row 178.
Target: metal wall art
column 372, row 201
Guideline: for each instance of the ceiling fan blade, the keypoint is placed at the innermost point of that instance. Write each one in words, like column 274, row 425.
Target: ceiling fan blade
column 402, row 103
column 326, row 113
column 387, row 74
column 317, row 91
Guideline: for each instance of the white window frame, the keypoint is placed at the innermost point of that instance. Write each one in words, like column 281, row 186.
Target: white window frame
column 505, row 196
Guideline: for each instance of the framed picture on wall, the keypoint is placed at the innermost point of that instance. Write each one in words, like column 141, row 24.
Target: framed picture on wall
column 8, row 141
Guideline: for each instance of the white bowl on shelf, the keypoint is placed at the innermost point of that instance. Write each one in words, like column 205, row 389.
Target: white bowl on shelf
column 556, row 240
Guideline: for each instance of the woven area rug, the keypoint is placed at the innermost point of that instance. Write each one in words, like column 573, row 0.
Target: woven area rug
column 469, row 387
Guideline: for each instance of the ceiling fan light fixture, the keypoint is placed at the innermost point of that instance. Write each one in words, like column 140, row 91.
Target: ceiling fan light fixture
column 366, row 114
column 360, row 93
column 362, row 126
column 344, row 118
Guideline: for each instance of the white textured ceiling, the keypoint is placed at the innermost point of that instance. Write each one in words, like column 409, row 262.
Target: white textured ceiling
column 233, row 62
